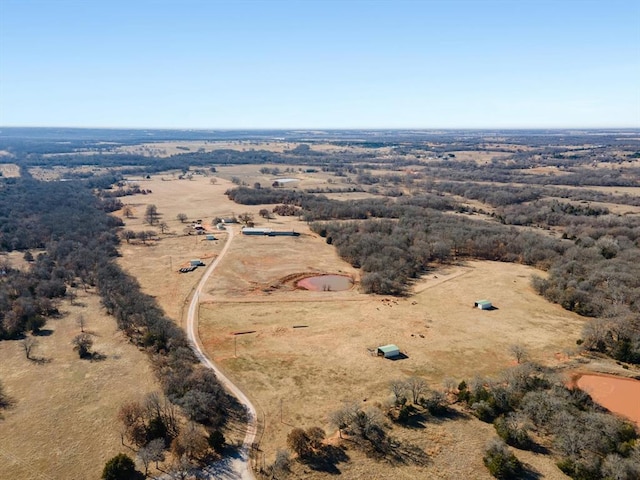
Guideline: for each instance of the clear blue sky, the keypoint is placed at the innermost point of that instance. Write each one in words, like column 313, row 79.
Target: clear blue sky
column 320, row 64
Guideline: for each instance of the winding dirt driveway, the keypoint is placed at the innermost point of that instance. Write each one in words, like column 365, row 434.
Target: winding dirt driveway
column 236, row 467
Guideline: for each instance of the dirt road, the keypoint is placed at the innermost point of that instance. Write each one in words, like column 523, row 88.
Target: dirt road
column 235, row 467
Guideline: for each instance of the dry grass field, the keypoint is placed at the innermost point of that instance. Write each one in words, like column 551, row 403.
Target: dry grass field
column 297, row 376
column 63, row 425
column 165, row 149
column 9, row 170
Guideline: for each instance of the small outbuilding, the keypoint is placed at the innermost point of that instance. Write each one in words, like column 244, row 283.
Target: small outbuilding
column 211, row 237
column 196, row 263
column 483, row 305
column 388, row 351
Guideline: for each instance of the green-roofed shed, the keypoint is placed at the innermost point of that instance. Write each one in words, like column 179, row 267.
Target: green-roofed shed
column 483, row 304
column 388, row 351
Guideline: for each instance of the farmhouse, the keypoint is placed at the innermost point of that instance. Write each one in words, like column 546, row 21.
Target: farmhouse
column 483, row 305
column 388, row 351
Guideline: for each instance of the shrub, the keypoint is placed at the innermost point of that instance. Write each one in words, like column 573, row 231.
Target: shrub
column 484, row 411
column 514, row 430
column 121, row 467
column 500, row 461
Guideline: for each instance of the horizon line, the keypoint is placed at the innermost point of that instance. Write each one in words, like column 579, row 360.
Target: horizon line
column 308, row 129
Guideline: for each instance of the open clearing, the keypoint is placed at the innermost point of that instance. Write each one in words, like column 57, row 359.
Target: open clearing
column 9, row 170
column 327, row 362
column 64, row 424
column 305, row 373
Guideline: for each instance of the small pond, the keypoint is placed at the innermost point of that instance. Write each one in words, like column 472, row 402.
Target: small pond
column 618, row 394
column 326, row 283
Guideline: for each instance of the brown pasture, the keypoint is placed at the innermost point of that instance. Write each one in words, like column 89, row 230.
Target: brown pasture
column 64, row 422
column 297, row 376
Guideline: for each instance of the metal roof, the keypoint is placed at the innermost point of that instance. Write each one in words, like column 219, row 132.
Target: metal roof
column 389, row 348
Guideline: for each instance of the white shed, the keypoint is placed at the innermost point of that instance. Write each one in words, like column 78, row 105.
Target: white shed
column 483, row 305
column 388, row 351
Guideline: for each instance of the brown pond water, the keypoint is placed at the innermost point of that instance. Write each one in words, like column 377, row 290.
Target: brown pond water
column 620, row 395
column 326, row 283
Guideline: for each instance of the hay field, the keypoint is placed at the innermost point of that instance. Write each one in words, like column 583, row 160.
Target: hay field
column 64, row 423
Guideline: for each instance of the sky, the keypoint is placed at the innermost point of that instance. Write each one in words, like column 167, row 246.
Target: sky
column 207, row 64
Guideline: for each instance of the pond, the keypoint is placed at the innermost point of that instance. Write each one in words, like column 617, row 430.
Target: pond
column 618, row 394
column 326, row 283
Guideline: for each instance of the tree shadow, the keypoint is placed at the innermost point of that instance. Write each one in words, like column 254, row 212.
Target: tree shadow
column 44, row 332
column 449, row 414
column 96, row 357
column 327, row 459
column 416, row 421
column 399, row 453
column 529, row 473
column 537, row 448
column 40, row 360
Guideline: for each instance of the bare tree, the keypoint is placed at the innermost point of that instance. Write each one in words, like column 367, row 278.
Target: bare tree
column 181, row 468
column 299, row 442
column 132, row 417
column 398, row 388
column 28, row 344
column 82, row 322
column 342, row 417
column 595, row 334
column 128, row 235
column 182, row 217
column 519, row 352
column 151, row 452
column 245, row 218
column 264, row 213
column 316, row 437
column 145, row 235
column 213, row 180
column 417, row 386
column 127, row 211
column 163, row 227
column 151, row 214
column 449, row 384
column 145, row 458
column 190, row 443
column 156, row 450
